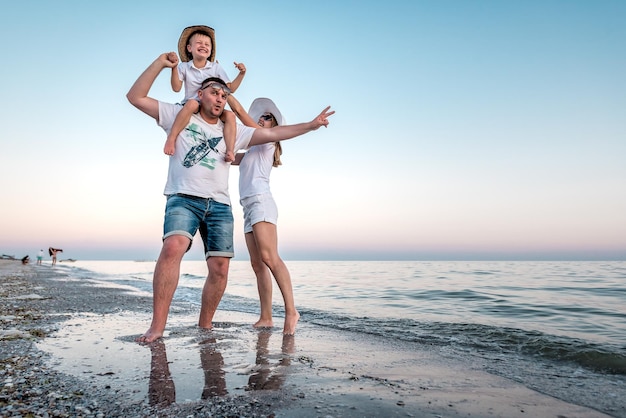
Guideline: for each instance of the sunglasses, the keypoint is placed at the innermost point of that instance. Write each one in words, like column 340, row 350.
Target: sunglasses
column 217, row 86
column 266, row 117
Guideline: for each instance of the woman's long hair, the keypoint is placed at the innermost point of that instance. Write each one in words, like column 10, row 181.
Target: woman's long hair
column 278, row 149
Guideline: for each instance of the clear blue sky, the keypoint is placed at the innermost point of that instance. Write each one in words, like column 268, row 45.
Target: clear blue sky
column 464, row 129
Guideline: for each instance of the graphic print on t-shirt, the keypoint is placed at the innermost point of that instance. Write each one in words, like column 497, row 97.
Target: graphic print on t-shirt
column 203, row 145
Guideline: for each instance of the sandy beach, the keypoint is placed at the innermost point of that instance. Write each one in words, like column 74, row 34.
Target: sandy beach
column 67, row 349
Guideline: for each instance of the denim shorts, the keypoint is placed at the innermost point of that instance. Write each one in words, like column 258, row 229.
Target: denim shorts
column 258, row 208
column 185, row 215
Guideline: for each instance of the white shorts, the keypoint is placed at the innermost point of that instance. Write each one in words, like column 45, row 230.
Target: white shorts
column 258, row 208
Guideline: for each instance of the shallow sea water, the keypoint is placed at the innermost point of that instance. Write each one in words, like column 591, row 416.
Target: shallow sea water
column 557, row 327
column 570, row 310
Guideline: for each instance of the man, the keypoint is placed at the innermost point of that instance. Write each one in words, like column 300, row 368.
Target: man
column 197, row 189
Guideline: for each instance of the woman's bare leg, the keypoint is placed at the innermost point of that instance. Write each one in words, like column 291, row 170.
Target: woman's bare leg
column 266, row 237
column 263, row 282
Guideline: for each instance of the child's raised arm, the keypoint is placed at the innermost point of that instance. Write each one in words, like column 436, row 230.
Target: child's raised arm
column 177, row 83
column 234, row 85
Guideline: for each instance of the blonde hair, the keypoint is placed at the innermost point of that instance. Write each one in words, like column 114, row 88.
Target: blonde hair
column 278, row 150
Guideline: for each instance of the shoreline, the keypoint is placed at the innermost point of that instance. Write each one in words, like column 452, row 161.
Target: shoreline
column 67, row 348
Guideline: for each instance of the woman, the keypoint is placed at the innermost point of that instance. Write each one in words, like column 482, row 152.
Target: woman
column 261, row 214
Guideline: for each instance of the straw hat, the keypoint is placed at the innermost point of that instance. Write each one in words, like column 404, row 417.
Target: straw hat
column 265, row 105
column 184, row 38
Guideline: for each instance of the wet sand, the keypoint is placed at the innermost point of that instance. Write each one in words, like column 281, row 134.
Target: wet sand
column 81, row 336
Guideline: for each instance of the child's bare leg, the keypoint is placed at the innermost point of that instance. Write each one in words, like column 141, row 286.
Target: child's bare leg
column 230, row 131
column 180, row 123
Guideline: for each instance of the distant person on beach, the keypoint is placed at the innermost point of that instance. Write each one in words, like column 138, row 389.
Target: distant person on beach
column 196, row 48
column 53, row 253
column 197, row 189
column 25, row 259
column 261, row 214
column 39, row 257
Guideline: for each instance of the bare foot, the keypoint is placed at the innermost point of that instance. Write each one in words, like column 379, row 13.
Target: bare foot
column 264, row 323
column 290, row 323
column 205, row 321
column 149, row 336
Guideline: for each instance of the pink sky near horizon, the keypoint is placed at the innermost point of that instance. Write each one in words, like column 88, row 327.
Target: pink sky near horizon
column 493, row 130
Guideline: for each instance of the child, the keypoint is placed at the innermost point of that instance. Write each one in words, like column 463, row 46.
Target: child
column 196, row 48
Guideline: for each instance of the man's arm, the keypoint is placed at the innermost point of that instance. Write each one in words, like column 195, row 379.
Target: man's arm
column 280, row 133
column 238, row 109
column 138, row 93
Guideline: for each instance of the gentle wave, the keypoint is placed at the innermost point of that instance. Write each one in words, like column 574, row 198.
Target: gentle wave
column 487, row 339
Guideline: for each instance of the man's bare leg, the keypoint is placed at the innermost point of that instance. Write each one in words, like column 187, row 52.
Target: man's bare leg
column 213, row 290
column 165, row 281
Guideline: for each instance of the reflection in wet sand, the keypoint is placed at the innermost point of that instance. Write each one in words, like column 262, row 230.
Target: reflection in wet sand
column 265, row 376
column 213, row 366
column 161, row 390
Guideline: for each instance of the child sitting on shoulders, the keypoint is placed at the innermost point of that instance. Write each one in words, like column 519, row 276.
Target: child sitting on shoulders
column 196, row 48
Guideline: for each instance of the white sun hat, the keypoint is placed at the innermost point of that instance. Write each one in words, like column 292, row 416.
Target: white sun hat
column 263, row 105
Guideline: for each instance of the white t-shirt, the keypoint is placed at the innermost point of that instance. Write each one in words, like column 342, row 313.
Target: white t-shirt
column 193, row 77
column 197, row 167
column 255, row 169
